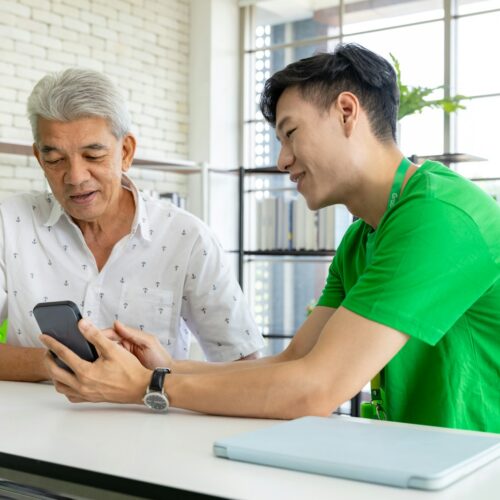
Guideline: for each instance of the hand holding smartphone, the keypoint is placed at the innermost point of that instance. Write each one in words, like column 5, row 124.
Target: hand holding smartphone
column 60, row 321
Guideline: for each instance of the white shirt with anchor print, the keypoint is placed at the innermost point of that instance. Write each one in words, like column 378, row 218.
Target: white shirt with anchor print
column 169, row 276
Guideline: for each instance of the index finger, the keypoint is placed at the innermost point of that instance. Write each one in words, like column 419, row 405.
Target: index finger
column 103, row 345
column 127, row 333
column 110, row 334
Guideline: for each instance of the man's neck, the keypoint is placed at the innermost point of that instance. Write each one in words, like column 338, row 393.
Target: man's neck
column 370, row 200
column 102, row 234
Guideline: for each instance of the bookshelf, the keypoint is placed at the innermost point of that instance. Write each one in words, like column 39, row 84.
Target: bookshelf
column 286, row 223
column 283, row 246
column 296, row 268
column 446, row 158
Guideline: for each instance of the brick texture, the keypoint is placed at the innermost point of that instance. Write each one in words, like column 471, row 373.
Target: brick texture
column 141, row 44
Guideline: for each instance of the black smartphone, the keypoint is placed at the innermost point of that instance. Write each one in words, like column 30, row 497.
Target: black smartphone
column 60, row 321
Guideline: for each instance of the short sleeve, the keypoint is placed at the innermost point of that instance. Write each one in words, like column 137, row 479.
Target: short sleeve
column 345, row 267
column 3, row 275
column 430, row 264
column 333, row 294
column 214, row 307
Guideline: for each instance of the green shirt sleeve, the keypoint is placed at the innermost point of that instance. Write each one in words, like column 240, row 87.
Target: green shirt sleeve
column 336, row 283
column 333, row 294
column 430, row 264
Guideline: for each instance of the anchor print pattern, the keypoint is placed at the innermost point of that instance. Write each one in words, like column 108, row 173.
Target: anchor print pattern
column 172, row 267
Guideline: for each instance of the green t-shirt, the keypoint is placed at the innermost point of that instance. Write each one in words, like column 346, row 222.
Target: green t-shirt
column 434, row 274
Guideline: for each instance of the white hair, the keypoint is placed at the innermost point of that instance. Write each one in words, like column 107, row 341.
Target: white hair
column 78, row 93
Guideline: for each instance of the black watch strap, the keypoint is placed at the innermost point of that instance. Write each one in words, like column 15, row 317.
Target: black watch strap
column 157, row 379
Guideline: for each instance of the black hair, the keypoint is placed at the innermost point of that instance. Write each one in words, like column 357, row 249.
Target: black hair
column 350, row 67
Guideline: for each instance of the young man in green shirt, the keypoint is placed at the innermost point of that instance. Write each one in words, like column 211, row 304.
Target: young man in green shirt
column 414, row 290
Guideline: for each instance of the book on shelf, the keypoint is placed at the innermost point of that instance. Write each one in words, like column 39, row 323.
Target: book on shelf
column 333, row 222
column 268, row 223
column 174, row 198
column 285, row 223
column 299, row 209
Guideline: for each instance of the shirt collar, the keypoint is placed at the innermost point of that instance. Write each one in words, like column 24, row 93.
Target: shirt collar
column 141, row 219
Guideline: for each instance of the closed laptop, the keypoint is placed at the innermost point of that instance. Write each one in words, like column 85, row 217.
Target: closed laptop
column 401, row 455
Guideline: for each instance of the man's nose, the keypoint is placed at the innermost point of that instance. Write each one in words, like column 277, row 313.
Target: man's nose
column 285, row 159
column 76, row 172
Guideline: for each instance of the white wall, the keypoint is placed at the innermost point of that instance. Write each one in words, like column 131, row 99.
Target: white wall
column 143, row 45
column 214, row 120
column 214, row 111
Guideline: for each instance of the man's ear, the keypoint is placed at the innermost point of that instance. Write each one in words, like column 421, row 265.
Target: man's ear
column 128, row 151
column 347, row 105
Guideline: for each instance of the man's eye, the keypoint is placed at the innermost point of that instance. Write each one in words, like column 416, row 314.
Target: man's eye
column 53, row 162
column 290, row 132
column 94, row 158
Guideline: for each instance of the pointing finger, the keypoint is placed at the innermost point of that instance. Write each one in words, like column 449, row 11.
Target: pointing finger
column 103, row 345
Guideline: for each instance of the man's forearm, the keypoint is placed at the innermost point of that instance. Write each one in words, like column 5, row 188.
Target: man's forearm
column 301, row 344
column 24, row 364
column 191, row 366
column 279, row 390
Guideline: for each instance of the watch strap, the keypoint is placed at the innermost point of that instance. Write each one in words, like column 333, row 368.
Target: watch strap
column 157, row 379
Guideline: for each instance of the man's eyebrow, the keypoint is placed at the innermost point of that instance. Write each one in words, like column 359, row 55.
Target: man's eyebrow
column 96, row 146
column 48, row 149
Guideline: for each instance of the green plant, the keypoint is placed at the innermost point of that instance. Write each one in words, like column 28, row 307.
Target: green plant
column 413, row 99
column 3, row 332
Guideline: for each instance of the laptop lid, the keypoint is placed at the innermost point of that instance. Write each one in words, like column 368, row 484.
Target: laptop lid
column 401, row 455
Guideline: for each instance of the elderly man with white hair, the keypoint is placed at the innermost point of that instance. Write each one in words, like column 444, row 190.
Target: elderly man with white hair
column 97, row 241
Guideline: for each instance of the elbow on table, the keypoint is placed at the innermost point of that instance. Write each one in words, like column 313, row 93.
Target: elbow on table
column 317, row 402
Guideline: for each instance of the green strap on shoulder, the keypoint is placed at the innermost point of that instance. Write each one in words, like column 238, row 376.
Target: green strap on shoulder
column 375, row 408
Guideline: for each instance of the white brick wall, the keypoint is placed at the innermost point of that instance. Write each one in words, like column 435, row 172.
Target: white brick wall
column 143, row 45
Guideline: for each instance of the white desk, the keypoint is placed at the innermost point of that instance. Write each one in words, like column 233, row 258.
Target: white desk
column 112, row 445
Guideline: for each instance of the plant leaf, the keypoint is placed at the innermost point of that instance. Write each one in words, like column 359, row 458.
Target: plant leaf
column 413, row 99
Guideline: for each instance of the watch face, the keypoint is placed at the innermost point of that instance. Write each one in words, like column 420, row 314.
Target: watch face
column 156, row 401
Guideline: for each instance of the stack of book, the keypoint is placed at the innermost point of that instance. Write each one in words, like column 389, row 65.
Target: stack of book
column 175, row 198
column 285, row 223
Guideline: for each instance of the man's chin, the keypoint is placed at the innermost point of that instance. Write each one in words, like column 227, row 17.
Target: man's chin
column 318, row 202
column 313, row 204
column 84, row 214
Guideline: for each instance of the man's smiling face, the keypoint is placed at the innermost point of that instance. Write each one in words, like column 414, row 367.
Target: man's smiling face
column 313, row 148
column 83, row 163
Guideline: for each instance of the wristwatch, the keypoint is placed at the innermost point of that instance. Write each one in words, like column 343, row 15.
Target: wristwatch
column 155, row 397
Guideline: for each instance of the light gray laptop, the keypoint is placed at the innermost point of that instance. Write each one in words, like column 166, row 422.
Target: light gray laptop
column 396, row 455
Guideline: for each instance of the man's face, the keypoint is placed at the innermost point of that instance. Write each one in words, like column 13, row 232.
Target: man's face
column 313, row 148
column 83, row 163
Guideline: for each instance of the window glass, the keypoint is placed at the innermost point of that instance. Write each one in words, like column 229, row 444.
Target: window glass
column 298, row 19
column 421, row 63
column 264, row 147
column 478, row 71
column 477, row 134
column 279, row 291
column 422, row 133
column 378, row 14
column 471, row 6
